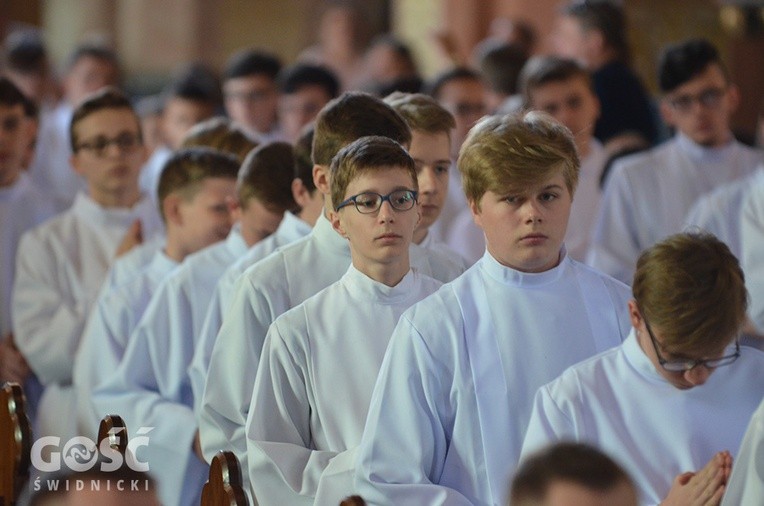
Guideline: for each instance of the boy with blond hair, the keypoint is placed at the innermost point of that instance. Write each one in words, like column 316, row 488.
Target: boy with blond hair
column 462, row 383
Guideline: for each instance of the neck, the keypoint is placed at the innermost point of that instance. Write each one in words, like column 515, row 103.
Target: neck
column 584, row 147
column 174, row 246
column 308, row 217
column 419, row 235
column 388, row 274
column 9, row 179
column 125, row 199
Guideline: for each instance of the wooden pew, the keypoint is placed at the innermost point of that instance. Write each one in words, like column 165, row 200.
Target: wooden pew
column 224, row 486
column 353, row 500
column 113, row 428
column 15, row 443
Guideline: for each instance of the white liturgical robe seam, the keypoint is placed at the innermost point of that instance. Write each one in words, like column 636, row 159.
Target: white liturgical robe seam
column 619, row 403
column 752, row 244
column 319, row 365
column 112, row 321
column 746, row 485
column 290, row 229
column 461, row 371
column 59, row 270
column 649, row 194
column 266, row 290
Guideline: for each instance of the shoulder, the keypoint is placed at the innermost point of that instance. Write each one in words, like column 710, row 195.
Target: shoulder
column 586, row 378
column 590, row 274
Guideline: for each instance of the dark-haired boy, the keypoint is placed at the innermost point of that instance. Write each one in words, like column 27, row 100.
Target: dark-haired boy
column 272, row 286
column 304, row 91
column 62, row 263
column 251, row 95
column 649, row 194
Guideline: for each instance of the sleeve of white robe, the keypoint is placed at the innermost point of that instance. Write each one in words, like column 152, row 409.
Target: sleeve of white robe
column 405, row 443
column 746, row 485
column 752, row 238
column 547, row 426
column 615, row 239
column 233, row 366
column 283, row 469
column 146, row 390
column 197, row 371
column 47, row 323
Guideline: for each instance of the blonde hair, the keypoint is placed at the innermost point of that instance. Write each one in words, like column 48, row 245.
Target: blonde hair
column 509, row 153
column 372, row 153
column 421, row 112
column 221, row 134
column 692, row 288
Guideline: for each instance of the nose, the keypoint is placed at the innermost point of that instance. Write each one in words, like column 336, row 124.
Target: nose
column 697, row 375
column 532, row 211
column 386, row 212
column 426, row 180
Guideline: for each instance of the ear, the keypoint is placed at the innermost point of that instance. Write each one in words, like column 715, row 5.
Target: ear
column 634, row 315
column 475, row 210
column 74, row 163
column 234, row 208
column 667, row 113
column 321, row 179
column 334, row 218
column 300, row 192
column 171, row 207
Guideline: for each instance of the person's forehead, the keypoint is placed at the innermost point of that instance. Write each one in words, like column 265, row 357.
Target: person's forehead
column 712, row 75
column 384, row 175
column 250, row 82
column 573, row 84
column 107, row 121
column 462, row 88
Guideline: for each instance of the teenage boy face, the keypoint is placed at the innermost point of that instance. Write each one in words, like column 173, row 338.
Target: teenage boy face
column 205, row 218
column 179, row 116
column 382, row 237
column 525, row 230
column 114, row 169
column 257, row 221
column 465, row 98
column 251, row 102
column 300, row 108
column 571, row 102
column 14, row 141
column 701, row 107
column 431, row 153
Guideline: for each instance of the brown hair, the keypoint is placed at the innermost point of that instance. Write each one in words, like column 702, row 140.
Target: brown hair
column 366, row 154
column 508, row 153
column 105, row 98
column 266, row 175
column 569, row 462
column 303, row 164
column 220, row 133
column 421, row 112
column 184, row 172
column 351, row 116
column 542, row 70
column 691, row 287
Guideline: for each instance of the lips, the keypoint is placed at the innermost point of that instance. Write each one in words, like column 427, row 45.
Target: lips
column 533, row 239
column 389, row 236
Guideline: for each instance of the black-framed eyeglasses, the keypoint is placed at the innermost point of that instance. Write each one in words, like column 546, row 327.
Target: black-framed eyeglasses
column 687, row 364
column 371, row 202
column 125, row 142
column 709, row 98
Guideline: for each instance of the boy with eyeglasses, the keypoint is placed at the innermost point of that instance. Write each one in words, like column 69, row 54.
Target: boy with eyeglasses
column 320, row 359
column 649, row 194
column 678, row 394
column 62, row 263
column 453, row 398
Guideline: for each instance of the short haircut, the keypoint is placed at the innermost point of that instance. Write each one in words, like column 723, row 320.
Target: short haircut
column 605, row 17
column 542, row 70
column 421, row 112
column 455, row 74
column 512, row 152
column 247, row 62
column 303, row 163
column 266, row 175
column 570, row 462
column 187, row 168
column 364, row 155
column 92, row 50
column 500, row 65
column 401, row 49
column 105, row 98
column 293, row 79
column 350, row 116
column 25, row 53
column 196, row 83
column 691, row 287
column 222, row 134
column 682, row 62
column 11, row 95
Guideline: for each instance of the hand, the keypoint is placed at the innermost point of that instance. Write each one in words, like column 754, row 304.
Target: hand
column 133, row 238
column 13, row 366
column 704, row 488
